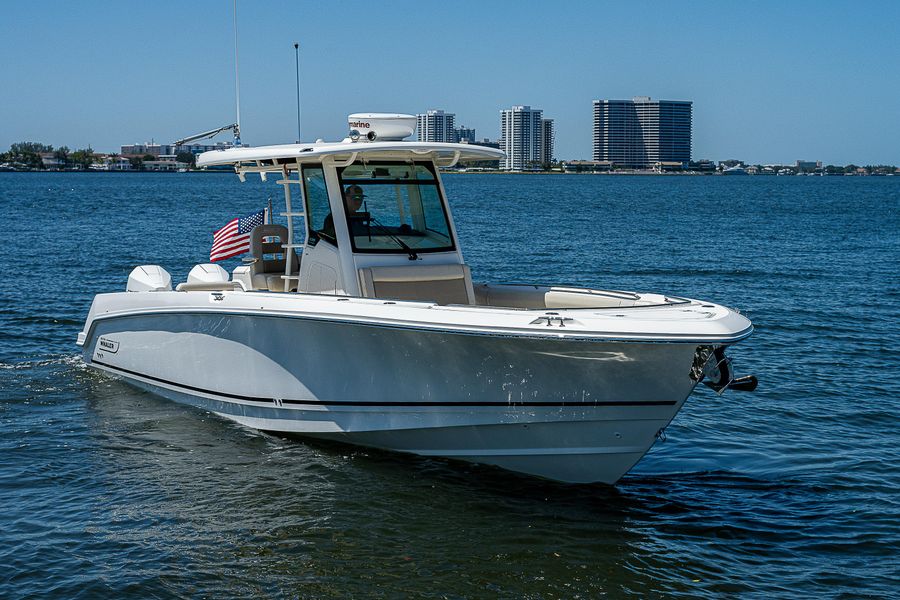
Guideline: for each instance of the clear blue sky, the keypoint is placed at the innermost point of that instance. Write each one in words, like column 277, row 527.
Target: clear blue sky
column 770, row 82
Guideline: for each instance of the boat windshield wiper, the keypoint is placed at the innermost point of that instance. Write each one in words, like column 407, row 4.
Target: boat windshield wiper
column 412, row 253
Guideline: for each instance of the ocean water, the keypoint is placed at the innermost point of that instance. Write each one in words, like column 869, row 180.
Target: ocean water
column 792, row 491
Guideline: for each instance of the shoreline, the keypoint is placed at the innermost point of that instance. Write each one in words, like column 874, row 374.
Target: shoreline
column 619, row 173
column 455, row 172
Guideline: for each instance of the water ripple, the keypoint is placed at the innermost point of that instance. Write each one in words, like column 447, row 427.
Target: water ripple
column 790, row 492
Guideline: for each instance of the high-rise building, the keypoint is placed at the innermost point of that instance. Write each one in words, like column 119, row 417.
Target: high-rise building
column 639, row 133
column 546, row 142
column 520, row 137
column 465, row 134
column 435, row 126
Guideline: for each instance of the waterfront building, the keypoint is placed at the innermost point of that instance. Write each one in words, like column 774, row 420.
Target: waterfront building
column 546, row 142
column 50, row 162
column 118, row 163
column 165, row 164
column 465, row 134
column 804, row 166
column 110, row 162
column 435, row 126
column 667, row 166
column 587, row 166
column 641, row 132
column 157, row 150
column 196, row 149
column 704, row 165
column 520, row 138
column 141, row 149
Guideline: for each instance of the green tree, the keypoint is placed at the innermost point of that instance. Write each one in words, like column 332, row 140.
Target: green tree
column 186, row 157
column 84, row 157
column 62, row 153
column 137, row 163
column 23, row 148
column 29, row 153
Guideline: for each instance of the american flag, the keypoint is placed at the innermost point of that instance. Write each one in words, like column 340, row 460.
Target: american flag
column 234, row 238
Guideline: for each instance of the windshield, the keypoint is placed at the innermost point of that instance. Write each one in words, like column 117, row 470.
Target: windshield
column 394, row 207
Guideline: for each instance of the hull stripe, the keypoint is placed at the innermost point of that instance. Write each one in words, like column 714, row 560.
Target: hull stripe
column 379, row 404
column 536, row 333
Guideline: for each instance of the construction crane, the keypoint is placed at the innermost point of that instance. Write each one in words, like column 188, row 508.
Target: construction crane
column 208, row 134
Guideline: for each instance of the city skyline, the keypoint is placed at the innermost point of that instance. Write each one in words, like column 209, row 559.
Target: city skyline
column 769, row 83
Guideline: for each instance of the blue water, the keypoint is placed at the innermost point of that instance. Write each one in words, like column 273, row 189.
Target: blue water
column 788, row 492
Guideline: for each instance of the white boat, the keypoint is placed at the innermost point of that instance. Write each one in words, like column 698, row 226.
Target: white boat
column 735, row 170
column 371, row 331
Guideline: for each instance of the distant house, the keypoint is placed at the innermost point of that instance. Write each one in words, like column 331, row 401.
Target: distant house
column 118, row 163
column 704, row 165
column 668, row 166
column 804, row 166
column 167, row 164
column 587, row 166
column 50, row 162
column 106, row 162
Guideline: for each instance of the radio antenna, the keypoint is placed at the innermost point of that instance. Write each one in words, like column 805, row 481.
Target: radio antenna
column 297, row 60
column 237, row 79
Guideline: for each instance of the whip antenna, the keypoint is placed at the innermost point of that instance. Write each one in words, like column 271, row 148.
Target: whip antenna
column 237, row 79
column 297, row 58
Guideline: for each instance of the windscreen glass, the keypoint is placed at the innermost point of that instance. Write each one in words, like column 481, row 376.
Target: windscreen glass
column 394, row 207
column 318, row 212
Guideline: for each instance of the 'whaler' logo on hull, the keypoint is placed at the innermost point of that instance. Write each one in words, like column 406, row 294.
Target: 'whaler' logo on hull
column 107, row 345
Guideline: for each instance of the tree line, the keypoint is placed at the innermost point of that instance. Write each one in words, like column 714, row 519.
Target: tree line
column 31, row 155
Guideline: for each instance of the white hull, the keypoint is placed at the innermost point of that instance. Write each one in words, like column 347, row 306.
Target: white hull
column 568, row 409
column 375, row 333
column 575, row 446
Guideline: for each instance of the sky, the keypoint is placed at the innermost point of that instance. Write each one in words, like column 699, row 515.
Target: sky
column 770, row 82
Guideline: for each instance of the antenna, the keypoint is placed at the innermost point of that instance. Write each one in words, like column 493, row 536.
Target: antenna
column 297, row 57
column 237, row 79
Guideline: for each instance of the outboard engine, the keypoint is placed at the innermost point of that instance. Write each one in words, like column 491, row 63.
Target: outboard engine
column 149, row 278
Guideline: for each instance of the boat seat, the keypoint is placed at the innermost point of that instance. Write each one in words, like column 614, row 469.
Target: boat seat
column 443, row 284
column 266, row 273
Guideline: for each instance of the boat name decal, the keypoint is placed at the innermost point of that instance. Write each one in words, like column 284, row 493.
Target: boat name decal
column 108, row 345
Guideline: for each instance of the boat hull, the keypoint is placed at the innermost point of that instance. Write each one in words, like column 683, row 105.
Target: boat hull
column 563, row 409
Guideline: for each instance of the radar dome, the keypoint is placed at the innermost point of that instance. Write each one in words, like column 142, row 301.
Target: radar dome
column 381, row 126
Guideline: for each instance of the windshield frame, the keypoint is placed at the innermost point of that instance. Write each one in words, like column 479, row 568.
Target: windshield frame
column 434, row 181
